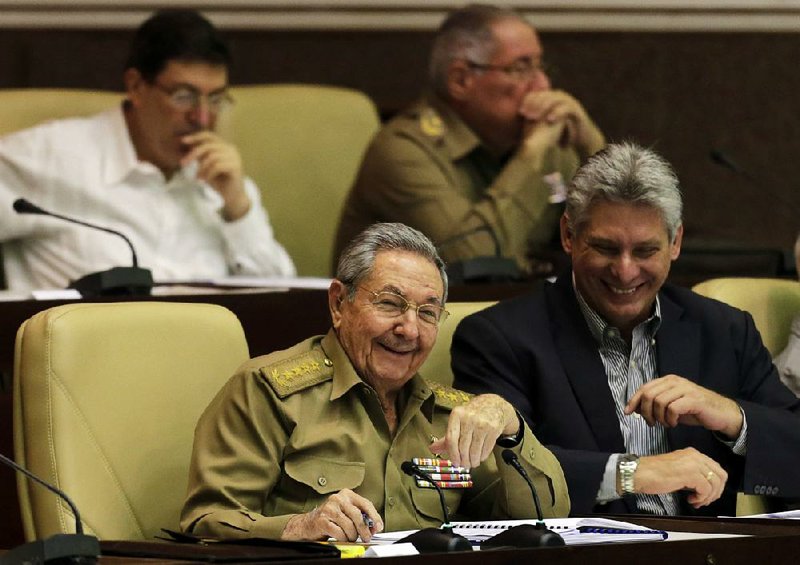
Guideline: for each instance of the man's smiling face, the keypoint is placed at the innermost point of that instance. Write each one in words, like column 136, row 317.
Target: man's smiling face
column 620, row 258
column 386, row 351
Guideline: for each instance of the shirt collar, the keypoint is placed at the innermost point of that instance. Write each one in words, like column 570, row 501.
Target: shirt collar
column 346, row 378
column 458, row 138
column 601, row 330
column 120, row 158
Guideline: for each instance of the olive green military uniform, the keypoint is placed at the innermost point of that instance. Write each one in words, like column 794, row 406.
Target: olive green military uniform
column 426, row 168
column 296, row 426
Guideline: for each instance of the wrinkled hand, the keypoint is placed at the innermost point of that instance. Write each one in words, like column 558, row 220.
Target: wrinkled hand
column 473, row 429
column 682, row 469
column 557, row 106
column 340, row 517
column 673, row 400
column 220, row 165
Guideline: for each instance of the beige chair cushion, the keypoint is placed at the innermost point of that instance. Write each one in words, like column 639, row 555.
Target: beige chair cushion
column 437, row 366
column 106, row 397
column 773, row 303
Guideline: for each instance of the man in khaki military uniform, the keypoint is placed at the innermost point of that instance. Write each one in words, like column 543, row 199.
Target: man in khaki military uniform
column 485, row 154
column 304, row 443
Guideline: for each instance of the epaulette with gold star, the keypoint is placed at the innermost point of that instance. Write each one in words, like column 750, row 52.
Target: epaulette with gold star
column 448, row 397
column 288, row 376
column 431, row 124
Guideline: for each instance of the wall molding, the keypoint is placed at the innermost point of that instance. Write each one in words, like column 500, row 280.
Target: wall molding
column 416, row 15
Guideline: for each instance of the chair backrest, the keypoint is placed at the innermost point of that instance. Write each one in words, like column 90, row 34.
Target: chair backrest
column 437, row 366
column 302, row 145
column 24, row 108
column 106, row 398
column 773, row 303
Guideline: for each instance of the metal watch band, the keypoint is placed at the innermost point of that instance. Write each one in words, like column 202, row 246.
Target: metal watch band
column 626, row 467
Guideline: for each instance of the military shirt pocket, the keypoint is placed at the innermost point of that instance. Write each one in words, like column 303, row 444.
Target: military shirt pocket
column 325, row 476
column 427, row 504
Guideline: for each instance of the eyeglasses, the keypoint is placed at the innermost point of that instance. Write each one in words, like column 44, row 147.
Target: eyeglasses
column 520, row 70
column 393, row 305
column 186, row 99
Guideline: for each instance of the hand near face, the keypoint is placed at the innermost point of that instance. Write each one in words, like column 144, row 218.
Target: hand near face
column 682, row 469
column 340, row 517
column 220, row 165
column 557, row 106
column 673, row 400
column 473, row 429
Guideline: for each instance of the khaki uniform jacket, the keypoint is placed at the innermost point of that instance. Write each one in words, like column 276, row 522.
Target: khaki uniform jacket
column 296, row 426
column 426, row 168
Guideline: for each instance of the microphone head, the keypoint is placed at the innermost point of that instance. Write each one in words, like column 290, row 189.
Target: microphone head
column 721, row 158
column 22, row 206
column 509, row 456
column 409, row 468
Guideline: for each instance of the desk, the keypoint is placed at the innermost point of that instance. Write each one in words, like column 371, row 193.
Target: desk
column 771, row 542
column 271, row 321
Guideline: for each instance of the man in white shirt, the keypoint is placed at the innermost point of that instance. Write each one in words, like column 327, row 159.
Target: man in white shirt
column 153, row 169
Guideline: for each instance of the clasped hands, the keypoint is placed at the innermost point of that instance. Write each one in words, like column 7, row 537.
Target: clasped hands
column 554, row 117
column 472, row 431
column 673, row 400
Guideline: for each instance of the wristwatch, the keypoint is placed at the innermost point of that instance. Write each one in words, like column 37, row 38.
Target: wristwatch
column 626, row 467
column 513, row 440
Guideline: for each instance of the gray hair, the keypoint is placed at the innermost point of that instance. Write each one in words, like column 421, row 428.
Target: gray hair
column 358, row 258
column 625, row 173
column 466, row 33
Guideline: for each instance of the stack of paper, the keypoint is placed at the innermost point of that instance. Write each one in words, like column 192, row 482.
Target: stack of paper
column 575, row 531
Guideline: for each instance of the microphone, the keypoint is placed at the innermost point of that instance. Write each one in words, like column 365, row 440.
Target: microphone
column 59, row 548
column 115, row 281
column 724, row 160
column 431, row 540
column 490, row 268
column 525, row 535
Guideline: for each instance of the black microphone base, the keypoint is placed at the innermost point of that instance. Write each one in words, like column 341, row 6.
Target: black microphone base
column 434, row 540
column 119, row 281
column 524, row 535
column 56, row 550
column 483, row 269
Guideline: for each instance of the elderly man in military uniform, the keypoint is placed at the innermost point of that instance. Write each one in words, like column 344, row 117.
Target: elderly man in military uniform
column 308, row 443
column 482, row 160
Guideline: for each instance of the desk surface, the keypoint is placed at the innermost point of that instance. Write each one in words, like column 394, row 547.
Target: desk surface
column 767, row 542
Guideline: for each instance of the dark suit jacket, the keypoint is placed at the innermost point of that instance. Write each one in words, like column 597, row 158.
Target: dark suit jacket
column 538, row 353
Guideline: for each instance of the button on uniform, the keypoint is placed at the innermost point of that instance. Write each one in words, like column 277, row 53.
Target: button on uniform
column 322, row 481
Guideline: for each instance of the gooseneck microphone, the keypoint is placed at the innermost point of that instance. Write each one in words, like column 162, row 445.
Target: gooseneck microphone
column 61, row 548
column 525, row 535
column 489, row 268
column 724, row 160
column 431, row 540
column 115, row 281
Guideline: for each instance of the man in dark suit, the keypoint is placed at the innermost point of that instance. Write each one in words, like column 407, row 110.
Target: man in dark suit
column 653, row 398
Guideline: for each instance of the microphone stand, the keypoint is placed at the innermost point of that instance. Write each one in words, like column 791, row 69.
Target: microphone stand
column 525, row 535
column 59, row 548
column 430, row 540
column 487, row 268
column 118, row 281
